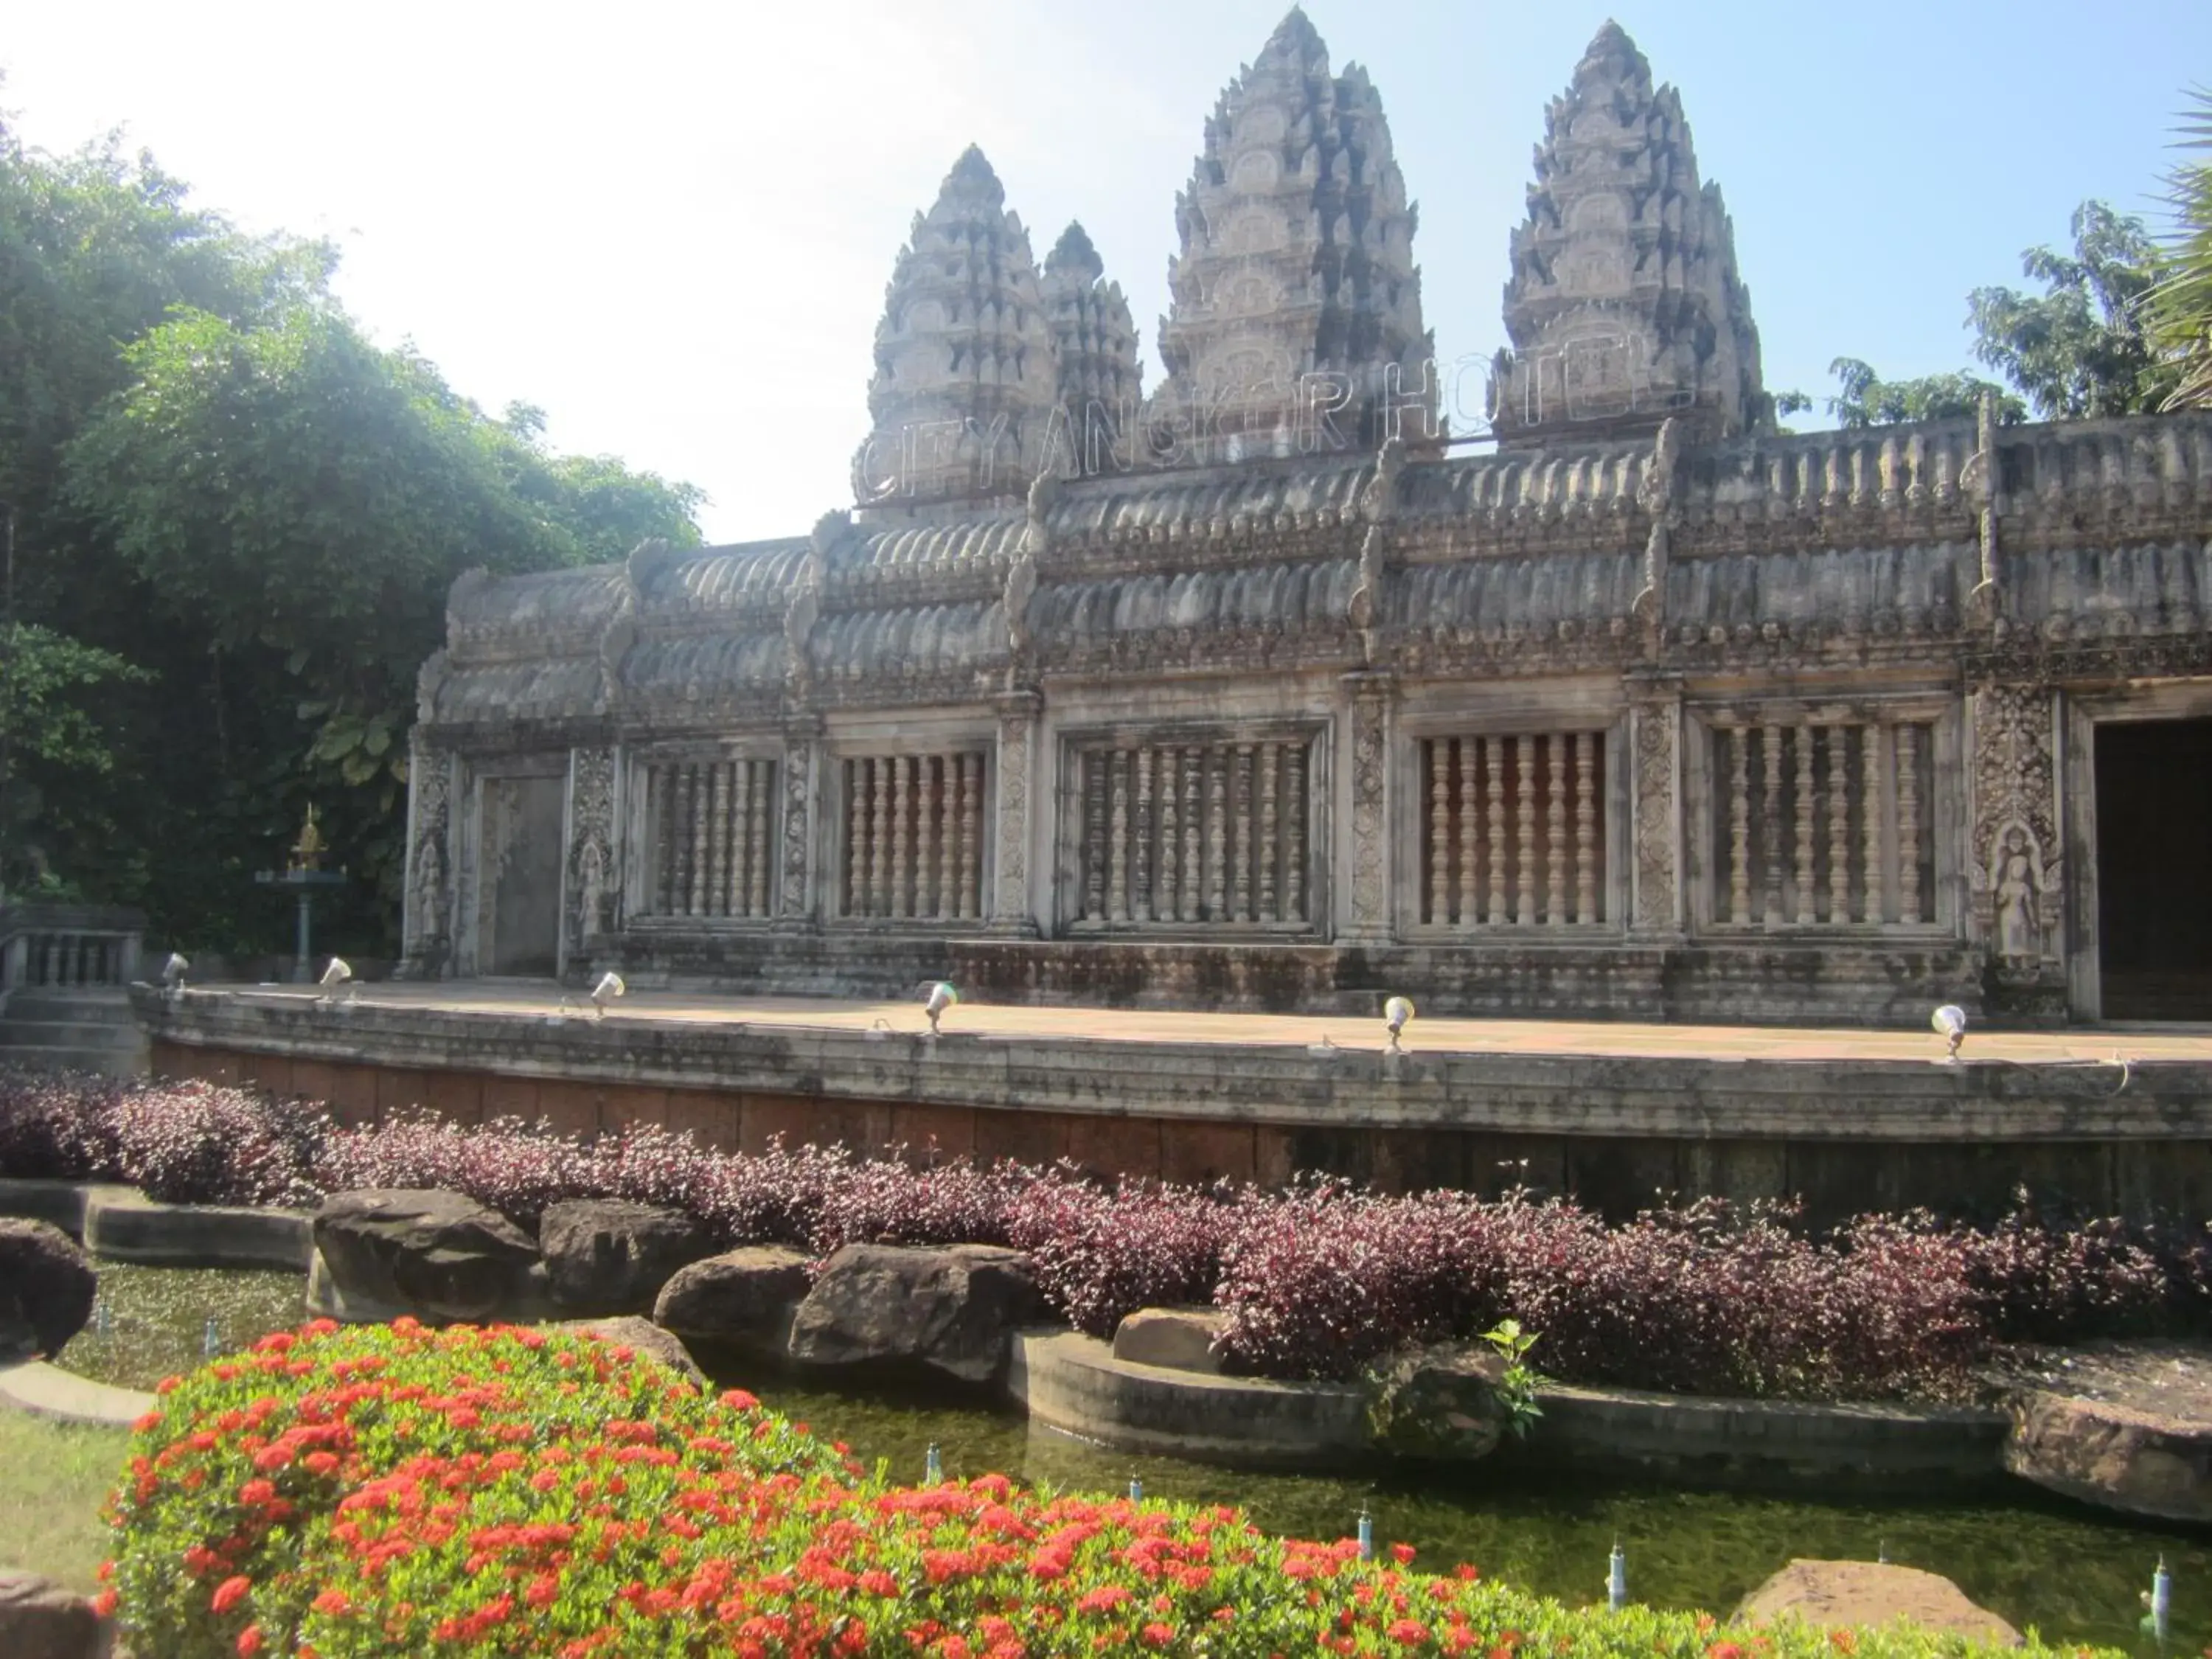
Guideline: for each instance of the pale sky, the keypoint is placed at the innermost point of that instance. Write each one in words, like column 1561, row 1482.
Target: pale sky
column 670, row 226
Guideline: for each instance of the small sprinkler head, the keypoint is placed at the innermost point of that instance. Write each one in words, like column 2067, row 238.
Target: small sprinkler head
column 941, row 997
column 1395, row 1013
column 932, row 1472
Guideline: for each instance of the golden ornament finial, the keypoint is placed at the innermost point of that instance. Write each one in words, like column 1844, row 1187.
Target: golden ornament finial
column 308, row 851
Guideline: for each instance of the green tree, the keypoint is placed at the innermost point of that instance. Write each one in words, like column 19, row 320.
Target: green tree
column 2179, row 309
column 247, row 516
column 2078, row 350
column 1863, row 398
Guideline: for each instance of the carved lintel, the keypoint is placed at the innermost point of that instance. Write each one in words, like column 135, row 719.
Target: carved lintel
column 1368, row 920
column 1011, row 913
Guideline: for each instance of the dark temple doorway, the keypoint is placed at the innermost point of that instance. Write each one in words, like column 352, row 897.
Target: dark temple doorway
column 2154, row 869
column 521, row 917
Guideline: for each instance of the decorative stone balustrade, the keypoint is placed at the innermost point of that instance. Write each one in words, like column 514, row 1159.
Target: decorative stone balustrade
column 711, row 839
column 1212, row 835
column 1514, row 831
column 1824, row 823
column 914, row 847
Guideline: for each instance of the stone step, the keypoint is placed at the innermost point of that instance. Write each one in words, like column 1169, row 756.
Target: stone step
column 66, row 1034
column 99, row 1006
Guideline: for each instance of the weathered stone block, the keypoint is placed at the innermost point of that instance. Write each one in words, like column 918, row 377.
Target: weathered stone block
column 950, row 1310
column 2125, row 1426
column 606, row 1255
column 642, row 1335
column 1178, row 1339
column 46, row 1288
column 742, row 1295
column 439, row 1253
column 1439, row 1402
column 1838, row 1593
column 39, row 1620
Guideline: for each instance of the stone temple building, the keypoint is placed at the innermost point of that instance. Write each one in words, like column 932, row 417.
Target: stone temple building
column 1558, row 683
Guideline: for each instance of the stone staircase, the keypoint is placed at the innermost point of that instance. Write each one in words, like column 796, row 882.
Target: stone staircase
column 76, row 1028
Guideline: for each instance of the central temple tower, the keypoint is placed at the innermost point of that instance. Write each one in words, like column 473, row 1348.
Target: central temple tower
column 1294, row 324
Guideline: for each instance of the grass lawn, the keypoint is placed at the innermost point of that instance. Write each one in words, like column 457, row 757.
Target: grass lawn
column 53, row 1479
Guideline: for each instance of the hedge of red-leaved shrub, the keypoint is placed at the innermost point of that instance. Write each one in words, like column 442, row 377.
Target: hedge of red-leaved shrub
column 342, row 1494
column 1316, row 1281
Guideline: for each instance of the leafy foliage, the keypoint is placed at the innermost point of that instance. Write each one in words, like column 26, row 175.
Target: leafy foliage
column 237, row 520
column 1319, row 1281
column 385, row 1490
column 2080, row 349
column 2179, row 309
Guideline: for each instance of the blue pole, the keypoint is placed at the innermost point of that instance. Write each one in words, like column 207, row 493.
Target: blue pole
column 302, row 971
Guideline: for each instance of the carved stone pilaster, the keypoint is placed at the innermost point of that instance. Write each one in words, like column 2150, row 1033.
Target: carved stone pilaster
column 802, row 759
column 594, row 898
column 427, row 920
column 1010, row 906
column 1367, row 920
column 1654, row 741
column 2016, row 866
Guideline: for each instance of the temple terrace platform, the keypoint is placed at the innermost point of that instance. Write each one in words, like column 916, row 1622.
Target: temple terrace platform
column 2113, row 1118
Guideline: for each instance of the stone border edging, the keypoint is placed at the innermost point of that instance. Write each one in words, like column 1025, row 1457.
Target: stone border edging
column 47, row 1390
column 121, row 1223
column 1073, row 1383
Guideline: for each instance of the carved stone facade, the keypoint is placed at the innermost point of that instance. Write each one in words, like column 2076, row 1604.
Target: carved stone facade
column 1682, row 717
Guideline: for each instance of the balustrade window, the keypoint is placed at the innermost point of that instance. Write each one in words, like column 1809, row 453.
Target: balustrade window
column 913, row 847
column 1514, row 831
column 710, row 838
column 1211, row 834
column 1824, row 824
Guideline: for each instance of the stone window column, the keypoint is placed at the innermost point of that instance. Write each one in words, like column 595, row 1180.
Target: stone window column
column 1655, row 782
column 1367, row 918
column 1012, row 910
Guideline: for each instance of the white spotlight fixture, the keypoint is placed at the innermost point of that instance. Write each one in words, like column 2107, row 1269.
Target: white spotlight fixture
column 941, row 997
column 1950, row 1024
column 173, row 971
column 611, row 989
column 1395, row 1013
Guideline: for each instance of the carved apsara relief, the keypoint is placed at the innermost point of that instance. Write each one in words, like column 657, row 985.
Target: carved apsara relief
column 592, row 890
column 1370, row 721
column 2018, row 872
column 1010, row 909
column 430, row 864
column 1657, row 743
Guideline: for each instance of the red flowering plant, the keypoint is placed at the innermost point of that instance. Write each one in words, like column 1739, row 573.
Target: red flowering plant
column 342, row 1494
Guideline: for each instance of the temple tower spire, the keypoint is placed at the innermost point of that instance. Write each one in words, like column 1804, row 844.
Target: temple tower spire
column 1624, row 306
column 1294, row 321
column 964, row 382
column 1094, row 344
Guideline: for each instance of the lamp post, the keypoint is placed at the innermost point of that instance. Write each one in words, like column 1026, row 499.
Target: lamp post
column 303, row 874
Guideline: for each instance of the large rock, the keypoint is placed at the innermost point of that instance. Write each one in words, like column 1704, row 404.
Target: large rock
column 742, row 1297
column 1439, row 1402
column 2127, row 1426
column 436, row 1254
column 606, row 1255
column 629, row 1331
column 39, row 1620
column 951, row 1309
column 1833, row 1594
column 46, row 1286
column 1175, row 1339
